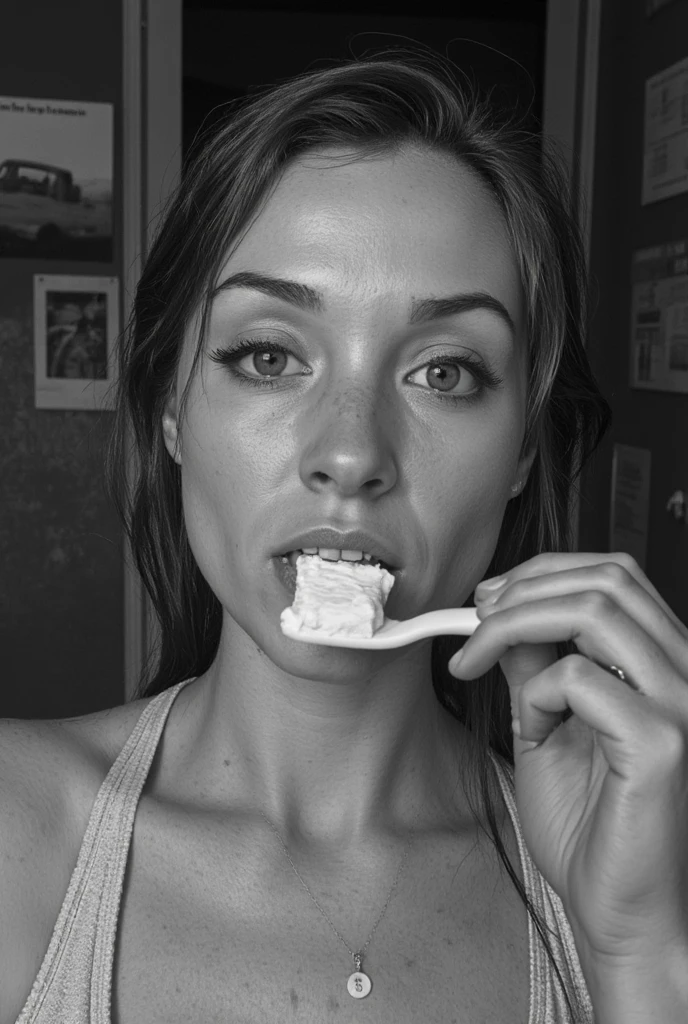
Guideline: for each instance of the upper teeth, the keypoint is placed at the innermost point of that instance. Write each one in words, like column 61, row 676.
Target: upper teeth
column 334, row 554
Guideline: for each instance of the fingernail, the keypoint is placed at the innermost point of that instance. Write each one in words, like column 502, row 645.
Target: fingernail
column 455, row 660
column 492, row 584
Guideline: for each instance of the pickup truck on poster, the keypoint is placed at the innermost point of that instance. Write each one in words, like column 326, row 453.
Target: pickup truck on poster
column 41, row 203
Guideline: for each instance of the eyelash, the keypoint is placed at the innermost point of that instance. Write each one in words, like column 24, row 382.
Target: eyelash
column 229, row 356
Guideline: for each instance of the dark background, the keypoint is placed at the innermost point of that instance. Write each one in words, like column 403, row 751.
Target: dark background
column 227, row 50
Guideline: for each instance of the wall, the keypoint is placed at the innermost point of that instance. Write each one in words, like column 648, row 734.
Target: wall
column 61, row 593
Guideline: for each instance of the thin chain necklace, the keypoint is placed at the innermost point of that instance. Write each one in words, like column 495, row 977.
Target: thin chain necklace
column 358, row 984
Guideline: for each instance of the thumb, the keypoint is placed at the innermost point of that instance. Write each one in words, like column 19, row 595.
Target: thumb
column 521, row 663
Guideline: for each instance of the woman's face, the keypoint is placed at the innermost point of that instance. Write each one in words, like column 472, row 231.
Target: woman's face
column 358, row 430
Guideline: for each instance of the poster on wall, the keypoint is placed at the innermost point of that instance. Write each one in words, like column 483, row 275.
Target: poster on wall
column 630, row 504
column 76, row 323
column 665, row 134
column 659, row 318
column 55, row 179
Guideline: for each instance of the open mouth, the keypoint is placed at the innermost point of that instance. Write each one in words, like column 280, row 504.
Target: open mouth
column 332, row 555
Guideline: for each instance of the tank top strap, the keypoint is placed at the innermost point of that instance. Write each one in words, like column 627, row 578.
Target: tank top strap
column 74, row 980
column 113, row 822
column 546, row 1002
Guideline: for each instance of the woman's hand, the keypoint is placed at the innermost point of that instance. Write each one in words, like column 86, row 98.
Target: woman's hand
column 603, row 797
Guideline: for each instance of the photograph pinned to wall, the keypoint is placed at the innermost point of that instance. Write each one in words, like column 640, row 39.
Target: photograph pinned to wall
column 659, row 318
column 665, row 134
column 76, row 323
column 55, row 179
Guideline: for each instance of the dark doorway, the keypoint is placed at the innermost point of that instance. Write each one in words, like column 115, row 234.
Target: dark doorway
column 229, row 50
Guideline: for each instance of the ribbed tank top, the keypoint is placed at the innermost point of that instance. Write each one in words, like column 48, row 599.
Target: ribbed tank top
column 73, row 985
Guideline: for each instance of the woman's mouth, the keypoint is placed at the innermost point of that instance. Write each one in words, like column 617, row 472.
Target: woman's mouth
column 286, row 564
column 335, row 555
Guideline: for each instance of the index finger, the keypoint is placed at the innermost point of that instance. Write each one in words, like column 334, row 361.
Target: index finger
column 562, row 561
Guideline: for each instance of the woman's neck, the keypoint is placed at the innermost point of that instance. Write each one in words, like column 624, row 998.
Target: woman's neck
column 329, row 762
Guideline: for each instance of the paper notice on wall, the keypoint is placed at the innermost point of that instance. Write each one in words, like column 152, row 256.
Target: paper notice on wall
column 659, row 318
column 665, row 145
column 630, row 501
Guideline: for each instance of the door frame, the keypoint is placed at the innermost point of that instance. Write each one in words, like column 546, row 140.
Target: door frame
column 152, row 142
column 570, row 116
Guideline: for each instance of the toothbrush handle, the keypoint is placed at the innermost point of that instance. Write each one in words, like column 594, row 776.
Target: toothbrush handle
column 446, row 622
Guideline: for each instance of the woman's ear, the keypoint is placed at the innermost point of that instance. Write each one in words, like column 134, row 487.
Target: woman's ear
column 170, row 430
column 524, row 466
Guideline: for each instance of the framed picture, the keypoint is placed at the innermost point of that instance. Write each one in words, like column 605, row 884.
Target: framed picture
column 76, row 323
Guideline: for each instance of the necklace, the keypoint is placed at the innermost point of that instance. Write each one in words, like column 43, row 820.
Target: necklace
column 358, row 983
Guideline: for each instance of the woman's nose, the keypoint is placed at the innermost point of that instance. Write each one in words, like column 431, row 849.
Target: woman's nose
column 348, row 445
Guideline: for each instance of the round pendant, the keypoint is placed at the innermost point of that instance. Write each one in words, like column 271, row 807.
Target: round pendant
column 359, row 985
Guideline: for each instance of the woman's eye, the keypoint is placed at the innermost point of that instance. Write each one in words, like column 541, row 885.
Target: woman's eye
column 445, row 376
column 269, row 362
column 259, row 361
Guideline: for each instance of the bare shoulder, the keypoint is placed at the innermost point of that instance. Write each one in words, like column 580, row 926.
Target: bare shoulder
column 47, row 765
column 50, row 773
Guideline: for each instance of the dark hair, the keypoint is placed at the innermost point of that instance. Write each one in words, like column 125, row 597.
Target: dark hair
column 372, row 105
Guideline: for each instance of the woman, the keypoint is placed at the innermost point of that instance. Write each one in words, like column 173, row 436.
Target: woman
column 361, row 329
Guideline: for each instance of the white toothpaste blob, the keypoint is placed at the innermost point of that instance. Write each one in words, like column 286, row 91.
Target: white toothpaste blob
column 338, row 598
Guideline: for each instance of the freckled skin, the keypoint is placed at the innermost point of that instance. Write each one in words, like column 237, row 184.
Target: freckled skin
column 327, row 737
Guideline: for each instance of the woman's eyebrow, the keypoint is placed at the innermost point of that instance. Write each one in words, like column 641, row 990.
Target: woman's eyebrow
column 312, row 301
column 423, row 310
column 301, row 295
